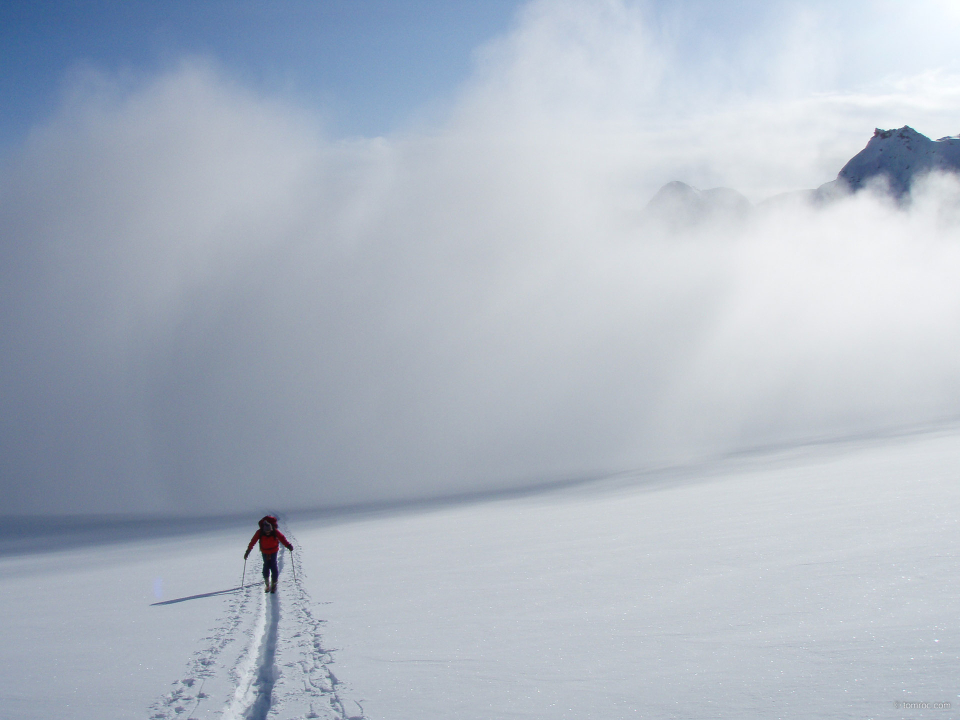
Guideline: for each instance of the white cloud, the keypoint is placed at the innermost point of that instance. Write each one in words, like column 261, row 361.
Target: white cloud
column 208, row 304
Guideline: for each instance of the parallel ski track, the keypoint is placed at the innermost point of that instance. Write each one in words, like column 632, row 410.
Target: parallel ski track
column 256, row 673
column 257, row 670
column 204, row 664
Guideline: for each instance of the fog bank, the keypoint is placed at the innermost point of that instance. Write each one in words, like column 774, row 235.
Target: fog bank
column 208, row 304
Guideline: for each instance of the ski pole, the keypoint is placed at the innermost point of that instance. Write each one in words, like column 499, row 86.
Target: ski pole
column 244, row 576
column 293, row 565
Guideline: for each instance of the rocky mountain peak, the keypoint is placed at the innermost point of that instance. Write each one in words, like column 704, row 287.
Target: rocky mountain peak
column 897, row 157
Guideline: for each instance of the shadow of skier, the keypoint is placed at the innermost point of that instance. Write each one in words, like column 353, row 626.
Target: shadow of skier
column 204, row 595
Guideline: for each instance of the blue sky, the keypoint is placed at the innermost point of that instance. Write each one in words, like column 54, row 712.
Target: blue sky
column 364, row 64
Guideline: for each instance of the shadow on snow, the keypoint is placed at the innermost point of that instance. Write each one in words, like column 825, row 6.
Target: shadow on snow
column 204, row 595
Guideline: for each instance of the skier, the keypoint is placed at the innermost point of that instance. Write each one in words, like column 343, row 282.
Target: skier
column 270, row 539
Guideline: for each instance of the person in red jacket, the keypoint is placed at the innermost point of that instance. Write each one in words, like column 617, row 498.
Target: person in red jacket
column 270, row 540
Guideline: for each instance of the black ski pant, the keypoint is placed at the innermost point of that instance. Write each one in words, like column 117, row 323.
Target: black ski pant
column 270, row 565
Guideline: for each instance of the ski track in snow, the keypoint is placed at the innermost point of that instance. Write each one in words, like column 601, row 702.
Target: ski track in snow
column 255, row 670
column 187, row 695
column 283, row 672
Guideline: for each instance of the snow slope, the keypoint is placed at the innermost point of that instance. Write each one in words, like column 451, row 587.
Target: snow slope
column 813, row 582
column 818, row 583
column 159, row 629
column 899, row 156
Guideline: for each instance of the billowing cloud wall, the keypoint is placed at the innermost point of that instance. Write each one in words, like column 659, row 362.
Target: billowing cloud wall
column 208, row 305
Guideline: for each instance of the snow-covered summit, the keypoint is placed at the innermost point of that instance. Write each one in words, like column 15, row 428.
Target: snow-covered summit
column 894, row 156
column 679, row 205
column 899, row 156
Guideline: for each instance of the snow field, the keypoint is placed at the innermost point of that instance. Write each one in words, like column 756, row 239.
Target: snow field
column 278, row 668
column 158, row 629
column 814, row 583
column 84, row 640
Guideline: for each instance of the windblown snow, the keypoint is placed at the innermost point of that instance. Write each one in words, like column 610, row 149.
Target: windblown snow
column 817, row 581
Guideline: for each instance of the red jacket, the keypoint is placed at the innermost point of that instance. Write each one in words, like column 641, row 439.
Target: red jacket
column 269, row 542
